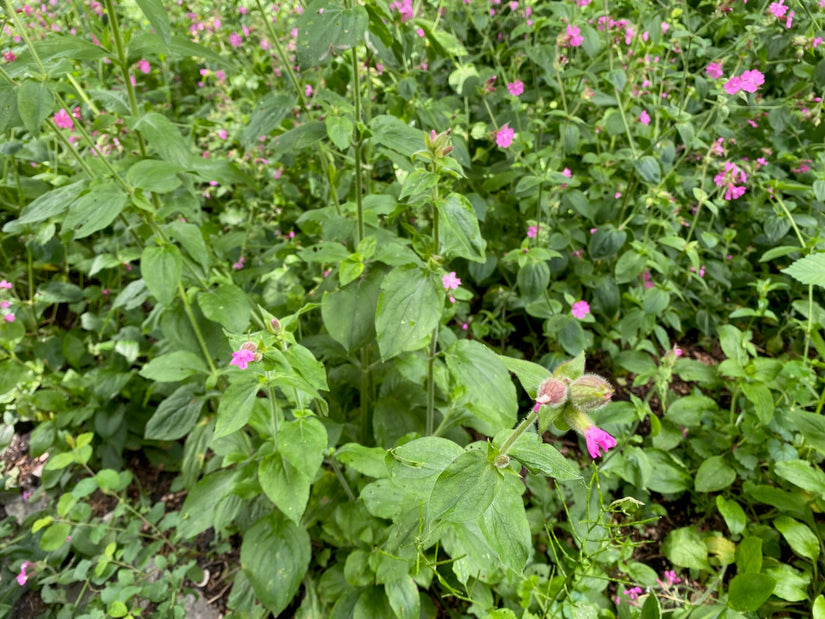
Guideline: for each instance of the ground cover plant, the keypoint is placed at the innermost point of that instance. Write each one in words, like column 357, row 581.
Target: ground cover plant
column 412, row 309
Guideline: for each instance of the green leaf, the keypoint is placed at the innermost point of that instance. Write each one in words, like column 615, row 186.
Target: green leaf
column 49, row 204
column 648, row 168
column 505, row 527
column 529, row 374
column 154, row 175
column 541, row 457
column 275, row 554
column 198, row 509
column 791, row 584
column 489, row 394
column 684, row 547
column 801, row 473
column 176, row 416
column 191, row 238
column 327, row 29
column 174, row 366
column 812, row 427
column 267, row 117
column 55, row 536
column 35, row 103
column 161, row 268
column 618, row 78
column 303, row 136
column 339, row 130
column 651, row 608
column 349, row 312
column 714, row 474
column 236, row 404
column 366, row 460
column 667, row 475
column 350, row 269
column 760, row 396
column 733, row 514
column 403, row 597
column 284, row 485
column 819, row 607
column 418, row 185
column 158, row 16
column 749, row 555
column 305, row 363
column 95, row 210
column 164, row 138
column 809, row 270
column 227, row 305
column 303, row 442
column 460, row 235
column 747, row 592
column 393, row 133
column 416, row 465
column 408, row 310
column 799, row 537
column 465, row 489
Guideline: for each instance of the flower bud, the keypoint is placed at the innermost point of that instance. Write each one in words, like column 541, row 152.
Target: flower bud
column 590, row 392
column 552, row 392
column 275, row 325
column 502, row 461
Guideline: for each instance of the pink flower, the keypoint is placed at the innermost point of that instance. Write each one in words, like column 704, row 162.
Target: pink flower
column 778, row 9
column 581, row 309
column 644, row 118
column 144, row 66
column 733, row 85
column 239, row 264
column 532, row 231
column 516, row 88
column 566, row 172
column 63, row 120
column 308, row 91
column 9, row 56
column 5, row 285
column 420, row 32
column 23, row 577
column 242, row 358
column 714, row 70
column 789, row 21
column 464, row 326
column 751, row 80
column 5, row 304
column 504, row 137
column 222, row 134
column 597, row 438
column 235, row 40
column 677, row 351
column 574, row 37
column 9, row 318
column 450, row 281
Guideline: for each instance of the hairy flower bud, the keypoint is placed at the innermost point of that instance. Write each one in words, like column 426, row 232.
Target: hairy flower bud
column 502, row 461
column 590, row 392
column 552, row 392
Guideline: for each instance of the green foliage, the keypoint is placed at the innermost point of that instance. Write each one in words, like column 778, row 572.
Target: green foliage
column 285, row 295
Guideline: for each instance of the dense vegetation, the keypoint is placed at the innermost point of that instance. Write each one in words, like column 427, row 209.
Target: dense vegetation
column 412, row 309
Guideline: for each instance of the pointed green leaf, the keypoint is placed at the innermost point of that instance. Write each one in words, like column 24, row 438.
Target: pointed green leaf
column 275, row 554
column 460, row 235
column 809, row 270
column 303, row 442
column 173, row 366
column 505, row 527
column 799, row 537
column 158, row 16
column 176, row 416
column 284, row 485
column 327, row 29
column 465, row 489
column 35, row 103
column 236, row 405
column 408, row 310
column 349, row 312
column 95, row 210
column 161, row 268
column 227, row 305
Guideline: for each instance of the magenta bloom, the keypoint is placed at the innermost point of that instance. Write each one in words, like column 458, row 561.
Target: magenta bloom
column 144, row 66
column 581, row 309
column 733, row 85
column 597, row 438
column 714, row 70
column 778, row 9
column 505, row 136
column 23, row 577
column 9, row 318
column 242, row 358
column 532, row 231
column 574, row 37
column 450, row 281
column 516, row 88
column 63, row 120
column 751, row 80
column 235, row 40
column 5, row 284
column 644, row 118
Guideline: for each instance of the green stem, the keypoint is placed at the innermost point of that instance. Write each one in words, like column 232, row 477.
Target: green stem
column 196, row 329
column 364, row 395
column 281, row 55
column 430, row 419
column 340, row 475
column 10, row 12
column 520, row 429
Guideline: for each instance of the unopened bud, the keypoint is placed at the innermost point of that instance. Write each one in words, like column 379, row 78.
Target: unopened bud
column 275, row 325
column 552, row 392
column 253, row 348
column 502, row 461
column 590, row 392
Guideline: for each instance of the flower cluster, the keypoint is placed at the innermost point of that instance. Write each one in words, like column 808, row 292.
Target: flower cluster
column 450, row 282
column 749, row 81
column 728, row 178
column 5, row 304
column 247, row 354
